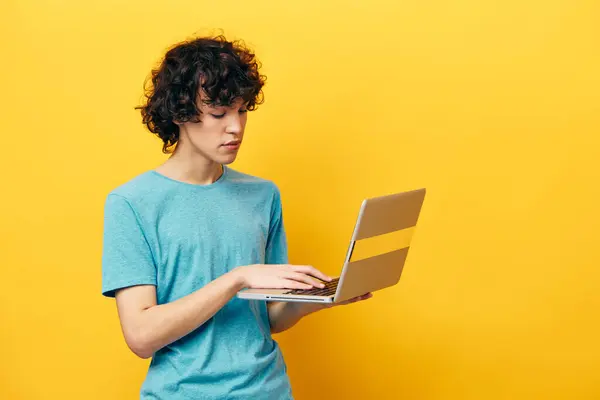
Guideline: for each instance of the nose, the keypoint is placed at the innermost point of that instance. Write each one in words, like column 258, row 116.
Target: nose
column 234, row 124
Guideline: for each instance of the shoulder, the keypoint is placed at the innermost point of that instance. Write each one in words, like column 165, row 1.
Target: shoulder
column 134, row 189
column 253, row 182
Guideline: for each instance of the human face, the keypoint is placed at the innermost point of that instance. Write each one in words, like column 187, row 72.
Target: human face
column 218, row 136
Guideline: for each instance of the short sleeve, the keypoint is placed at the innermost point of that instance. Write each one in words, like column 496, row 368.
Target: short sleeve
column 126, row 256
column 276, row 251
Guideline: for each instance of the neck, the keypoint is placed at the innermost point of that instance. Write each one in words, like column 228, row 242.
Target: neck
column 191, row 168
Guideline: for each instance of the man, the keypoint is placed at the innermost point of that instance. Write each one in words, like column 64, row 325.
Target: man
column 182, row 239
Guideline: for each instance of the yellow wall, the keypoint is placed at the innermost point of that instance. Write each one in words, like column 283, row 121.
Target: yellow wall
column 493, row 106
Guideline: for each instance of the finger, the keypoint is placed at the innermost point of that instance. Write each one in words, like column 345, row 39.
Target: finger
column 310, row 270
column 364, row 297
column 305, row 278
column 297, row 276
column 291, row 284
column 290, row 273
column 307, row 269
column 358, row 298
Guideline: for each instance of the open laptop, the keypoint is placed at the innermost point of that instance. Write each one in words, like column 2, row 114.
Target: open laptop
column 377, row 216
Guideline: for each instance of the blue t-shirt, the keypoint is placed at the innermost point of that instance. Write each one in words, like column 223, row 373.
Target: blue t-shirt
column 180, row 236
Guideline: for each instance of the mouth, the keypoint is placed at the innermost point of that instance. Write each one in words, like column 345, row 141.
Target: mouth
column 233, row 145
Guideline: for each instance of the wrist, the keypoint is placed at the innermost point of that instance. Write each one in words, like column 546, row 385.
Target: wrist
column 238, row 279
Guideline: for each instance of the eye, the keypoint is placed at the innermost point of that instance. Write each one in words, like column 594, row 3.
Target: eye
column 218, row 116
column 243, row 111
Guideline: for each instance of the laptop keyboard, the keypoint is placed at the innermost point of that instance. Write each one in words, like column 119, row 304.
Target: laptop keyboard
column 328, row 290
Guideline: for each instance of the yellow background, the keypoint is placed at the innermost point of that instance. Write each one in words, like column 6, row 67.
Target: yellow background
column 492, row 105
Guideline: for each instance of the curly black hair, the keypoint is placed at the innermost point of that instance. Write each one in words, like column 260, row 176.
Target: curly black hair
column 222, row 70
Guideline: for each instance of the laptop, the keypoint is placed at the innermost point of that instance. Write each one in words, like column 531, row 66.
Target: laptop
column 377, row 216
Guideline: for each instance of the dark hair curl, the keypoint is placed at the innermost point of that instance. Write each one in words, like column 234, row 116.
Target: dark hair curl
column 220, row 70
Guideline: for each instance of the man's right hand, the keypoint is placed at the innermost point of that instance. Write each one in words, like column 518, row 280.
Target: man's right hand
column 279, row 276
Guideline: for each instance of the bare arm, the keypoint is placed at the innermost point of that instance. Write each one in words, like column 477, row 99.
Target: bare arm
column 147, row 327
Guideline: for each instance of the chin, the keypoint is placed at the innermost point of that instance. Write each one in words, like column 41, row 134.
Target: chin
column 226, row 160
